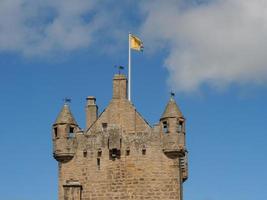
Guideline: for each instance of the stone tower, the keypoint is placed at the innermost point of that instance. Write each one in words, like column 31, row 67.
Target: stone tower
column 119, row 155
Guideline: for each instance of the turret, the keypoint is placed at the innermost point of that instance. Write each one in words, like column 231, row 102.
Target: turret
column 173, row 134
column 63, row 135
column 173, row 129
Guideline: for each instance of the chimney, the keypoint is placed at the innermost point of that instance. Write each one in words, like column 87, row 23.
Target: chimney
column 91, row 111
column 119, row 86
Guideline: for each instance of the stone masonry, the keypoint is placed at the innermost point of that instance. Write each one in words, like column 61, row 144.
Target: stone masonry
column 119, row 155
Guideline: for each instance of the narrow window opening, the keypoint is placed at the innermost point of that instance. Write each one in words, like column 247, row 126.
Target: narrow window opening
column 127, row 152
column 165, row 127
column 98, row 163
column 144, row 151
column 104, row 126
column 85, row 154
column 71, row 132
column 55, row 132
column 99, row 153
column 180, row 126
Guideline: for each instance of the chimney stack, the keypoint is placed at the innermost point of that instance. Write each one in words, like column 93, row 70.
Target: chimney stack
column 119, row 86
column 91, row 111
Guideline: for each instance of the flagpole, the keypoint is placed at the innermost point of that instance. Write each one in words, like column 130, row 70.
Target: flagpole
column 129, row 68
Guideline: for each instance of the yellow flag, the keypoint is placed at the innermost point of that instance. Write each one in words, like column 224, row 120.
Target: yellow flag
column 136, row 43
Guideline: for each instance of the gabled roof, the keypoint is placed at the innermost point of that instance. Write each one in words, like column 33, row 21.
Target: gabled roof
column 65, row 116
column 171, row 110
column 121, row 113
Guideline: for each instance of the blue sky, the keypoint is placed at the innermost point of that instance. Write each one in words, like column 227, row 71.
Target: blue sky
column 212, row 53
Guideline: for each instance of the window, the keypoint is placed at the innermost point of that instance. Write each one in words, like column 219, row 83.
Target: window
column 114, row 154
column 104, row 126
column 84, row 153
column 71, row 132
column 144, row 151
column 72, row 190
column 55, row 132
column 127, row 152
column 98, row 163
column 99, row 152
column 179, row 126
column 165, row 127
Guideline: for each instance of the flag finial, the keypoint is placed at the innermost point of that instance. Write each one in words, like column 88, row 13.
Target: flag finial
column 172, row 93
column 67, row 100
column 119, row 68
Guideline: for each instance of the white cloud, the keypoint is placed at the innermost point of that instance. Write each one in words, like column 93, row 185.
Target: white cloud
column 37, row 27
column 216, row 43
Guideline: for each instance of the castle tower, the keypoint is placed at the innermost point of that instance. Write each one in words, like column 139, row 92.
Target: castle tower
column 173, row 128
column 119, row 155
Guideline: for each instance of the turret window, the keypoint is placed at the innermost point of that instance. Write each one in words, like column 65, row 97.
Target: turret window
column 165, row 127
column 71, row 132
column 55, row 132
column 179, row 126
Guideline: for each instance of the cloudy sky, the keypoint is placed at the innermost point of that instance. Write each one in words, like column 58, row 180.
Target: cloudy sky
column 212, row 53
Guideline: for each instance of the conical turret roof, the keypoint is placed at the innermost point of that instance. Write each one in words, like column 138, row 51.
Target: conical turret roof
column 171, row 110
column 65, row 116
